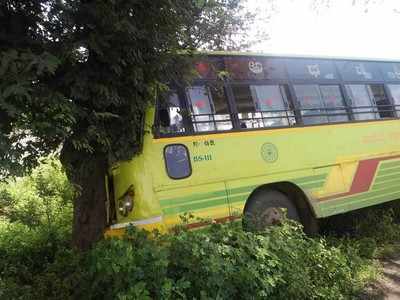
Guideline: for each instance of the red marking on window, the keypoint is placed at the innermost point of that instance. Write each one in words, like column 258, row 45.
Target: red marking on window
column 200, row 104
column 268, row 102
column 202, row 68
column 332, row 99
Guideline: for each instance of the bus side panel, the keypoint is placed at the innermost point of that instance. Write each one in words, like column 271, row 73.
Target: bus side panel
column 202, row 202
column 322, row 160
column 199, row 194
column 375, row 181
column 326, row 162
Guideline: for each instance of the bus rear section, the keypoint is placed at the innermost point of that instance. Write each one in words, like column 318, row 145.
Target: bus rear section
column 314, row 136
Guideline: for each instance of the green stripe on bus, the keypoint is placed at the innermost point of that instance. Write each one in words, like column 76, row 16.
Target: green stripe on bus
column 245, row 189
column 239, row 198
column 390, row 164
column 182, row 203
column 388, row 171
column 383, row 178
column 192, row 202
column 309, row 178
column 366, row 199
column 312, row 185
column 359, row 197
column 389, row 182
column 193, row 198
column 193, row 206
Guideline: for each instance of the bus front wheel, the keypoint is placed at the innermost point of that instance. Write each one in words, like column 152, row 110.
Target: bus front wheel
column 268, row 208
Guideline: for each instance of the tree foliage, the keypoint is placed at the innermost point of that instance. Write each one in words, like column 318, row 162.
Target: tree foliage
column 83, row 72
column 77, row 76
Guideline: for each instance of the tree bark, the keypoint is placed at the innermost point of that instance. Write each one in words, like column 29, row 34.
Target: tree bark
column 87, row 173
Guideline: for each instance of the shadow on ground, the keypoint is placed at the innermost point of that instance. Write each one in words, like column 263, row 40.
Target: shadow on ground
column 388, row 286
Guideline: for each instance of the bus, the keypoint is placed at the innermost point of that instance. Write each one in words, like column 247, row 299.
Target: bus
column 256, row 133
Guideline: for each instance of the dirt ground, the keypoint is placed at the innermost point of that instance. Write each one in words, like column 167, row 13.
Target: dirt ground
column 388, row 287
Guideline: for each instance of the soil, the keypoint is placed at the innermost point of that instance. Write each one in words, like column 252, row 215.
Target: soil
column 388, row 286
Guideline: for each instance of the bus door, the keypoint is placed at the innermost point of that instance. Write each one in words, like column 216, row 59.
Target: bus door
column 188, row 187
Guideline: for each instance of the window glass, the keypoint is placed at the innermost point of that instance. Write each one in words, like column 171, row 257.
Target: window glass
column 332, row 97
column 271, row 101
column 209, row 108
column 358, row 71
column 243, row 98
column 267, row 97
column 262, row 106
column 311, row 69
column 170, row 115
column 177, row 161
column 311, row 104
column 200, row 100
column 390, row 71
column 395, row 91
column 248, row 117
column 360, row 97
column 385, row 109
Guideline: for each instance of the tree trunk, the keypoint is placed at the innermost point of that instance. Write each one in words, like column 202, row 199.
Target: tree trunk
column 87, row 173
column 89, row 209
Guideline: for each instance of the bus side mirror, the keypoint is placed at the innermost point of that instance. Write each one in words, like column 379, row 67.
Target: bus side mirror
column 165, row 120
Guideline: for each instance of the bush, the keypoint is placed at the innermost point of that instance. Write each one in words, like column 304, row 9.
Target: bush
column 42, row 199
column 35, row 225
column 380, row 223
column 219, row 262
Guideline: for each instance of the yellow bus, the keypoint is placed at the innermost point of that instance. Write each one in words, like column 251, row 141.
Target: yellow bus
column 316, row 136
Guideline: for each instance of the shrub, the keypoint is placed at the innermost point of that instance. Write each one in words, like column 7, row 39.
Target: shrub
column 35, row 225
column 380, row 223
column 218, row 262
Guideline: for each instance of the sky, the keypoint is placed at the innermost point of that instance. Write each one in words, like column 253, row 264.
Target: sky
column 340, row 28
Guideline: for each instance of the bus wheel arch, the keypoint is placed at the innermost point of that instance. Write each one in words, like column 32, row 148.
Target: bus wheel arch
column 296, row 197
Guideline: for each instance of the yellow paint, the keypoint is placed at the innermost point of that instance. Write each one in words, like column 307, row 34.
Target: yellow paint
column 278, row 131
column 237, row 163
column 334, row 183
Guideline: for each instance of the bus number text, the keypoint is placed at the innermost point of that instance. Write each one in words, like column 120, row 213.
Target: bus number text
column 200, row 158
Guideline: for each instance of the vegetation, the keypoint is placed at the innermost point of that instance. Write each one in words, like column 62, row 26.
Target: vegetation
column 219, row 262
column 78, row 75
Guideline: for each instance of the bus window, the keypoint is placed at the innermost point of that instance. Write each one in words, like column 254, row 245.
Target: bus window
column 271, row 101
column 209, row 108
column 360, row 97
column 395, row 91
column 332, row 97
column 177, row 161
column 311, row 104
column 170, row 116
column 385, row 109
column 262, row 106
column 245, row 107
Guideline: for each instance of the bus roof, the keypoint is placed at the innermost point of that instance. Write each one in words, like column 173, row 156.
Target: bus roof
column 261, row 54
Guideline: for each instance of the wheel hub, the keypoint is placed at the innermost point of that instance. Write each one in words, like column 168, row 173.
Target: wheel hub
column 272, row 216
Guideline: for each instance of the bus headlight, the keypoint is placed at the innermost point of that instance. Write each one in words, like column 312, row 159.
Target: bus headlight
column 125, row 203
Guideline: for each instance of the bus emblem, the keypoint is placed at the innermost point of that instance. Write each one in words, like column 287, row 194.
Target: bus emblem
column 255, row 67
column 314, row 70
column 269, row 152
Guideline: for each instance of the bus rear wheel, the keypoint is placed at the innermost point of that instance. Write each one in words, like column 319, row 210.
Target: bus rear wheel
column 267, row 208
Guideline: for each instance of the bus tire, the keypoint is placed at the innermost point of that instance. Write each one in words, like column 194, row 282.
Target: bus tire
column 266, row 208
